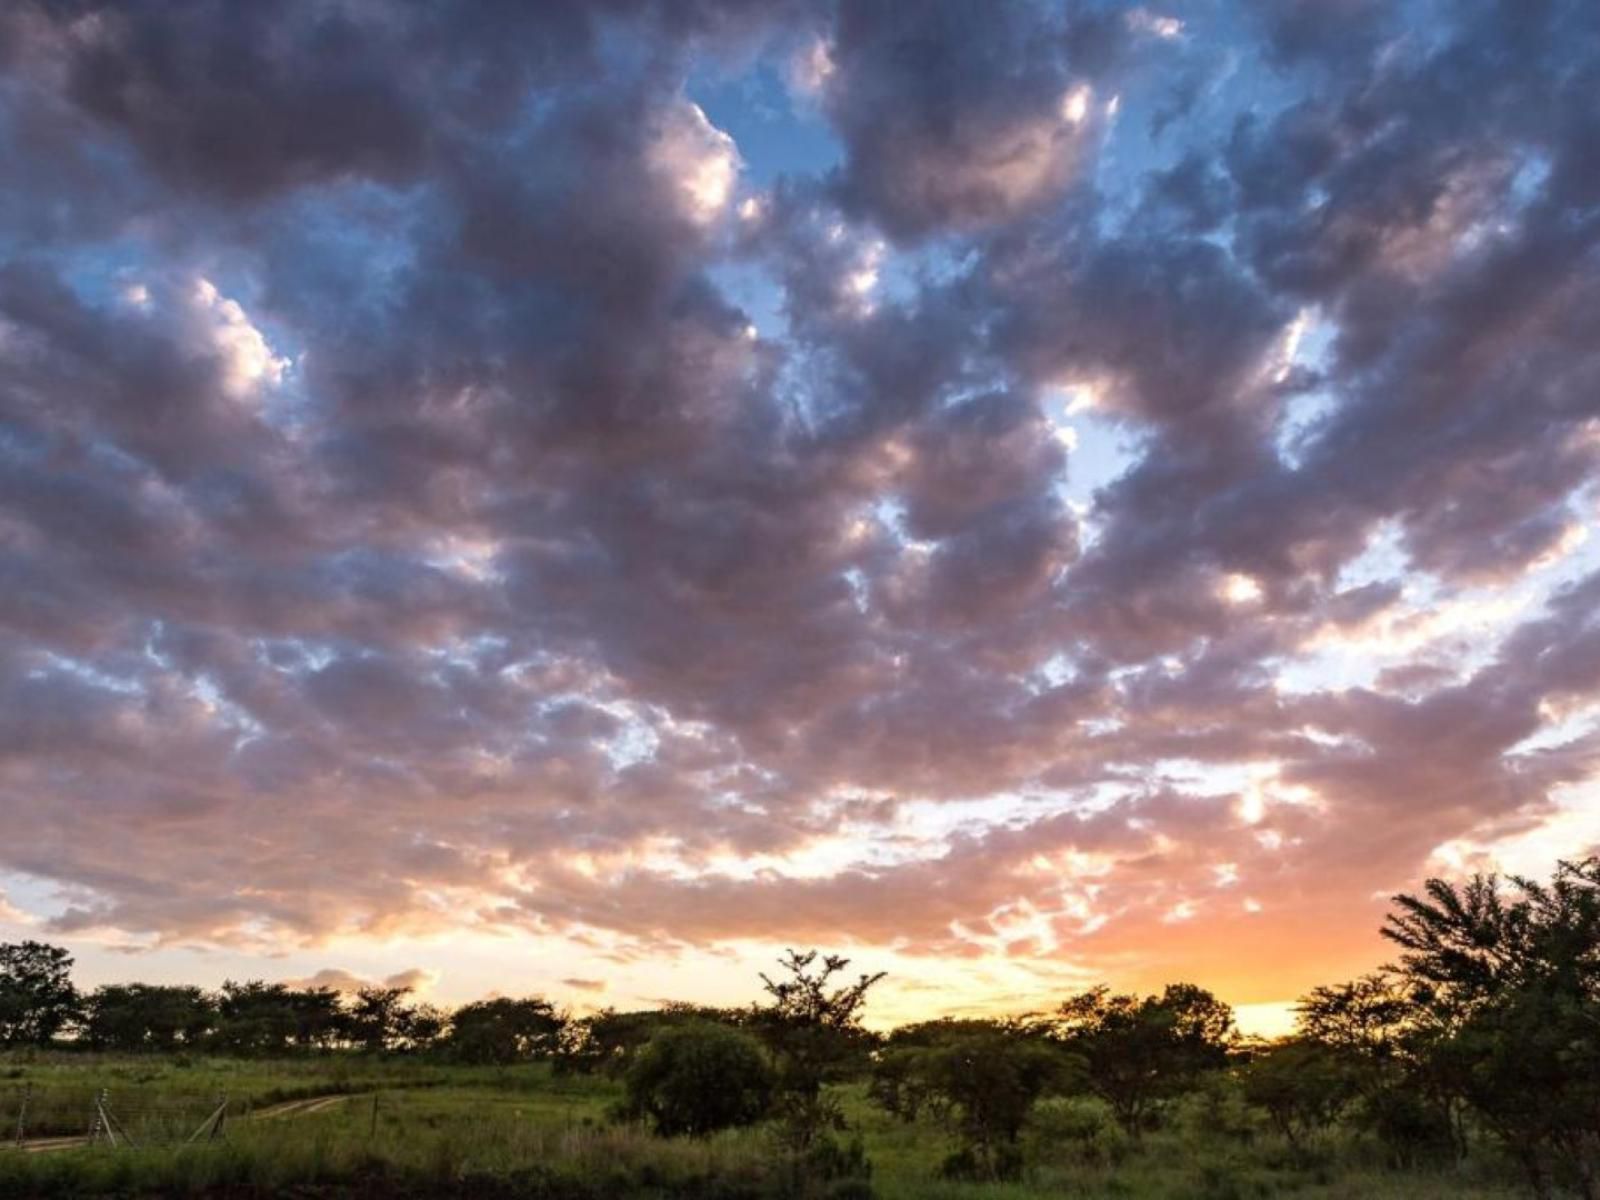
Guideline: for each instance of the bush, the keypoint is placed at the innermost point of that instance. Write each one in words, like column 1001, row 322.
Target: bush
column 1414, row 1131
column 986, row 1081
column 697, row 1079
column 1081, row 1132
column 1216, row 1111
column 833, row 1170
column 1303, row 1088
column 1003, row 1164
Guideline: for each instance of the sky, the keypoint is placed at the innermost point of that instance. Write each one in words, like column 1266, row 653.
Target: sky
column 575, row 498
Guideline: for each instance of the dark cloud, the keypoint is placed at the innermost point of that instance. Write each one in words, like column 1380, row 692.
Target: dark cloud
column 439, row 489
column 951, row 116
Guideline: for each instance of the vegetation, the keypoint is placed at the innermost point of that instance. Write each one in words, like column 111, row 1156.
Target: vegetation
column 1140, row 1053
column 699, row 1079
column 1470, row 1067
column 983, row 1077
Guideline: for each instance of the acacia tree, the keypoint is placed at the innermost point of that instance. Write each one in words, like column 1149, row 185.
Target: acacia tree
column 1302, row 1086
column 1385, row 1041
column 1508, row 972
column 1137, row 1053
column 37, row 999
column 423, row 1027
column 813, row 1028
column 1469, row 945
column 609, row 1040
column 983, row 1077
column 899, row 1084
column 1528, row 1065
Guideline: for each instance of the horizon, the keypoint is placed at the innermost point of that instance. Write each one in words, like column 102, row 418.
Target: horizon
column 562, row 501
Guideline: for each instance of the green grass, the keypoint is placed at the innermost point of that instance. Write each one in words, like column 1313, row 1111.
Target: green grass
column 441, row 1130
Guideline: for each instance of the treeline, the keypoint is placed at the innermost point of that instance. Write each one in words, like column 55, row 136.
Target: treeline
column 1483, row 1037
column 39, row 1005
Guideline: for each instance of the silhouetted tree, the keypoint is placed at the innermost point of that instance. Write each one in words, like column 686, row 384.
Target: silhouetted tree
column 254, row 1018
column 319, row 1017
column 1302, row 1086
column 1472, row 944
column 1139, row 1052
column 1506, row 975
column 698, row 1078
column 377, row 1018
column 37, row 999
column 142, row 1016
column 423, row 1027
column 608, row 1040
column 1384, row 1040
column 813, row 1028
column 505, row 1030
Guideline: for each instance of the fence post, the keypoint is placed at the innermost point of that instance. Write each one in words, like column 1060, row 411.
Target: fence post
column 99, row 1124
column 22, row 1113
column 114, row 1123
column 212, row 1125
column 373, row 1131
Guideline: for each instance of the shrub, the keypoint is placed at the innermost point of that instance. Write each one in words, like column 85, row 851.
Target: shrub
column 986, row 1080
column 1078, row 1131
column 1301, row 1086
column 697, row 1079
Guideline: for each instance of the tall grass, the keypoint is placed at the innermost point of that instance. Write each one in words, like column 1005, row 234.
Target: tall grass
column 407, row 1130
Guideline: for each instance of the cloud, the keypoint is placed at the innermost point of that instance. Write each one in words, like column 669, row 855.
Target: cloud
column 11, row 914
column 402, row 534
column 417, row 980
column 951, row 118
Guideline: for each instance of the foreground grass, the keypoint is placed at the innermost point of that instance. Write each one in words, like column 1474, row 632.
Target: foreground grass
column 406, row 1129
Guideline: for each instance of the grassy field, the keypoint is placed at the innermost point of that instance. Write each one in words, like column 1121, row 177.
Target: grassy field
column 408, row 1129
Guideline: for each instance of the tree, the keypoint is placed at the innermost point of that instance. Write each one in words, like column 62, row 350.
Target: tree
column 37, row 999
column 699, row 1078
column 985, row 1077
column 505, row 1030
column 813, row 1028
column 423, row 1026
column 1302, row 1086
column 1528, row 1065
column 142, row 1016
column 1139, row 1052
column 899, row 1085
column 1384, row 1041
column 1470, row 944
column 609, row 1040
column 254, row 1018
column 319, row 1017
column 377, row 1017
column 1369, row 1020
column 1505, row 975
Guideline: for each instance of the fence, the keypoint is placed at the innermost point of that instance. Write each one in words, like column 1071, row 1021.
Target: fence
column 40, row 1117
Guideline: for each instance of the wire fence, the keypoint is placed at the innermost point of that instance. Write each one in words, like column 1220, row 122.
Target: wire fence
column 35, row 1117
column 54, row 1116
